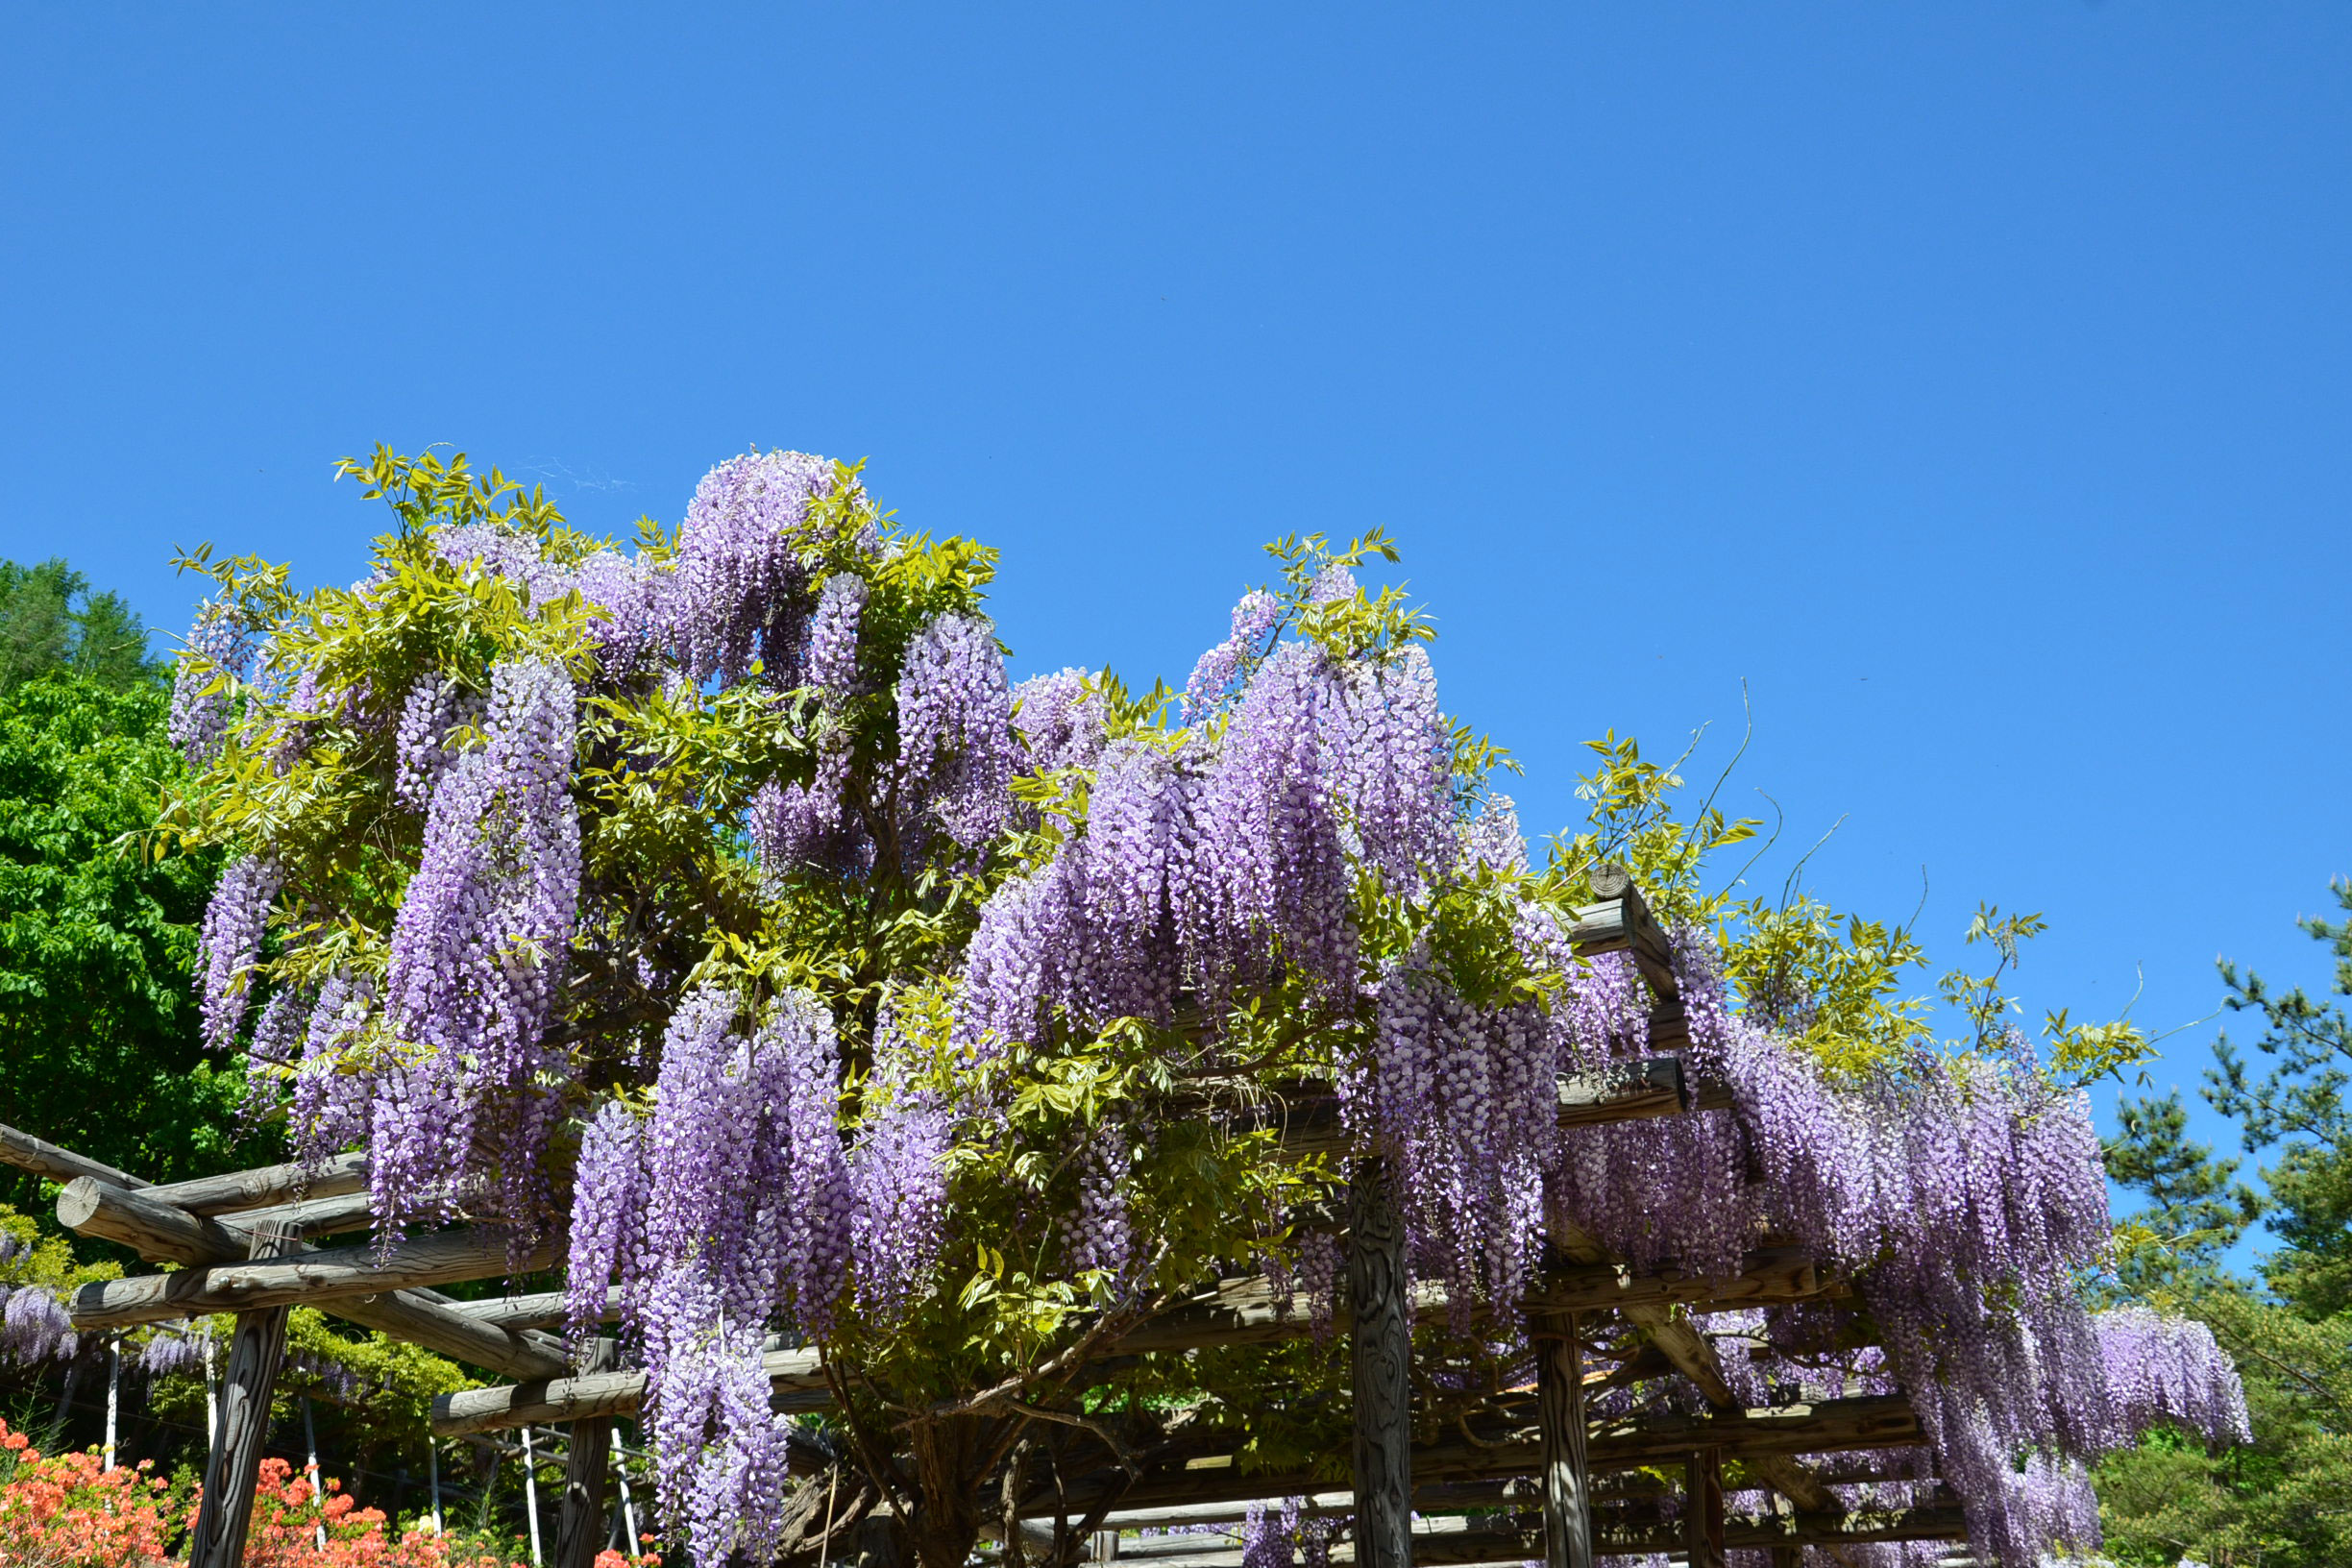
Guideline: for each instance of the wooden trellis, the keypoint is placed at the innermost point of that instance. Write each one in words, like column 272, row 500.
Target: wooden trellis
column 245, row 1241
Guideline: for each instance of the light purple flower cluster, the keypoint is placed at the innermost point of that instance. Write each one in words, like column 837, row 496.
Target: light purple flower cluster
column 2161, row 1369
column 435, row 706
column 230, row 942
column 169, row 1350
column 798, row 824
column 741, row 588
column 479, row 951
column 899, row 1185
column 955, row 729
column 1101, row 1231
column 731, row 1204
column 34, row 1327
column 1061, row 719
column 221, row 643
column 1254, row 619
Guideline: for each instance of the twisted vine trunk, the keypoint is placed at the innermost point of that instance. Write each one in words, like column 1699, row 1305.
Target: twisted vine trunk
column 949, row 1453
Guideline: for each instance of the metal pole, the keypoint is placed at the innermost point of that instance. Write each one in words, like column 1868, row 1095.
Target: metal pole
column 531, row 1494
column 318, row 1494
column 114, row 1396
column 211, row 1395
column 433, row 1469
column 628, row 1502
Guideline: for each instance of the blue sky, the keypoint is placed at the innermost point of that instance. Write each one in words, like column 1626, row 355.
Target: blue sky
column 1970, row 380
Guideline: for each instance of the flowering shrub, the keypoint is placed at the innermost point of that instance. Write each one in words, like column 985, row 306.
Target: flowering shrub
column 65, row 1512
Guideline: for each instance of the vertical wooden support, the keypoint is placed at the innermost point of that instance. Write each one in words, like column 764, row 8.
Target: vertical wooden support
column 218, row 1540
column 1380, row 1339
column 580, row 1528
column 1703, row 1508
column 1788, row 1556
column 1567, row 1496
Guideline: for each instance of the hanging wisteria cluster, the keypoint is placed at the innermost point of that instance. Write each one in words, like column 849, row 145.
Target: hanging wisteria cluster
column 615, row 861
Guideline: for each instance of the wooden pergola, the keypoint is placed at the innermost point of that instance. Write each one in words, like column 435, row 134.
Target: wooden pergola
column 1551, row 1481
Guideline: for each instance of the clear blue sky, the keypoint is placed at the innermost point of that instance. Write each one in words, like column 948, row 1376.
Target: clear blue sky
column 1970, row 379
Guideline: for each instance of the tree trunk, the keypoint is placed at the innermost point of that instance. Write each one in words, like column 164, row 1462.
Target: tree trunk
column 947, row 1512
column 1560, row 1387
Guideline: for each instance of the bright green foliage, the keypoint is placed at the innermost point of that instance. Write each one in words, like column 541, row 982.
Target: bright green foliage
column 97, row 1026
column 49, row 620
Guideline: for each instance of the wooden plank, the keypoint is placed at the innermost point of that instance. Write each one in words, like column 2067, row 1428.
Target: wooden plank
column 1381, row 1359
column 235, row 1461
column 1567, row 1482
column 42, row 1158
column 258, row 1189
column 580, row 1525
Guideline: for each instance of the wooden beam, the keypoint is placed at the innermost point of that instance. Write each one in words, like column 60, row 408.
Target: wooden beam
column 1567, row 1480
column 341, row 1174
column 42, row 1158
column 1379, row 1341
column 333, row 1214
column 312, row 1279
column 541, row 1309
column 235, row 1461
column 138, row 1219
column 1636, row 1090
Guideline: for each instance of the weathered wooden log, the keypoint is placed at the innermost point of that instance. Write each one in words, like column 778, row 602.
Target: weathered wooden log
column 1237, row 1313
column 332, row 1216
column 797, row 1376
column 1567, row 1480
column 158, row 1229
column 135, row 1218
column 1622, row 922
column 580, row 1525
column 541, row 1309
column 1380, row 1340
column 235, row 1461
column 42, row 1158
column 258, row 1189
column 312, row 1279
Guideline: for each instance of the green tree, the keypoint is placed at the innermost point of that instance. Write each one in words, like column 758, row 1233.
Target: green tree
column 98, row 1040
column 50, row 620
column 2287, row 1498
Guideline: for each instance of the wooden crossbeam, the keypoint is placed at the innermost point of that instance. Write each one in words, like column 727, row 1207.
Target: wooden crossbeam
column 1447, row 1542
column 160, row 1230
column 1872, row 1421
column 797, row 1378
column 339, row 1176
column 42, row 1158
column 1237, row 1313
column 309, row 1280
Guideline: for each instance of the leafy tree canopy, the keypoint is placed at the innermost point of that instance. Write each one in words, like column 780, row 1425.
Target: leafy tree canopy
column 50, row 620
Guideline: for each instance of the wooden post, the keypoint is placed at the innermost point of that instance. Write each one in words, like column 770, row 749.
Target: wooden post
column 1788, row 1556
column 236, row 1459
column 1703, row 1508
column 1380, row 1339
column 580, row 1528
column 1559, row 1388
